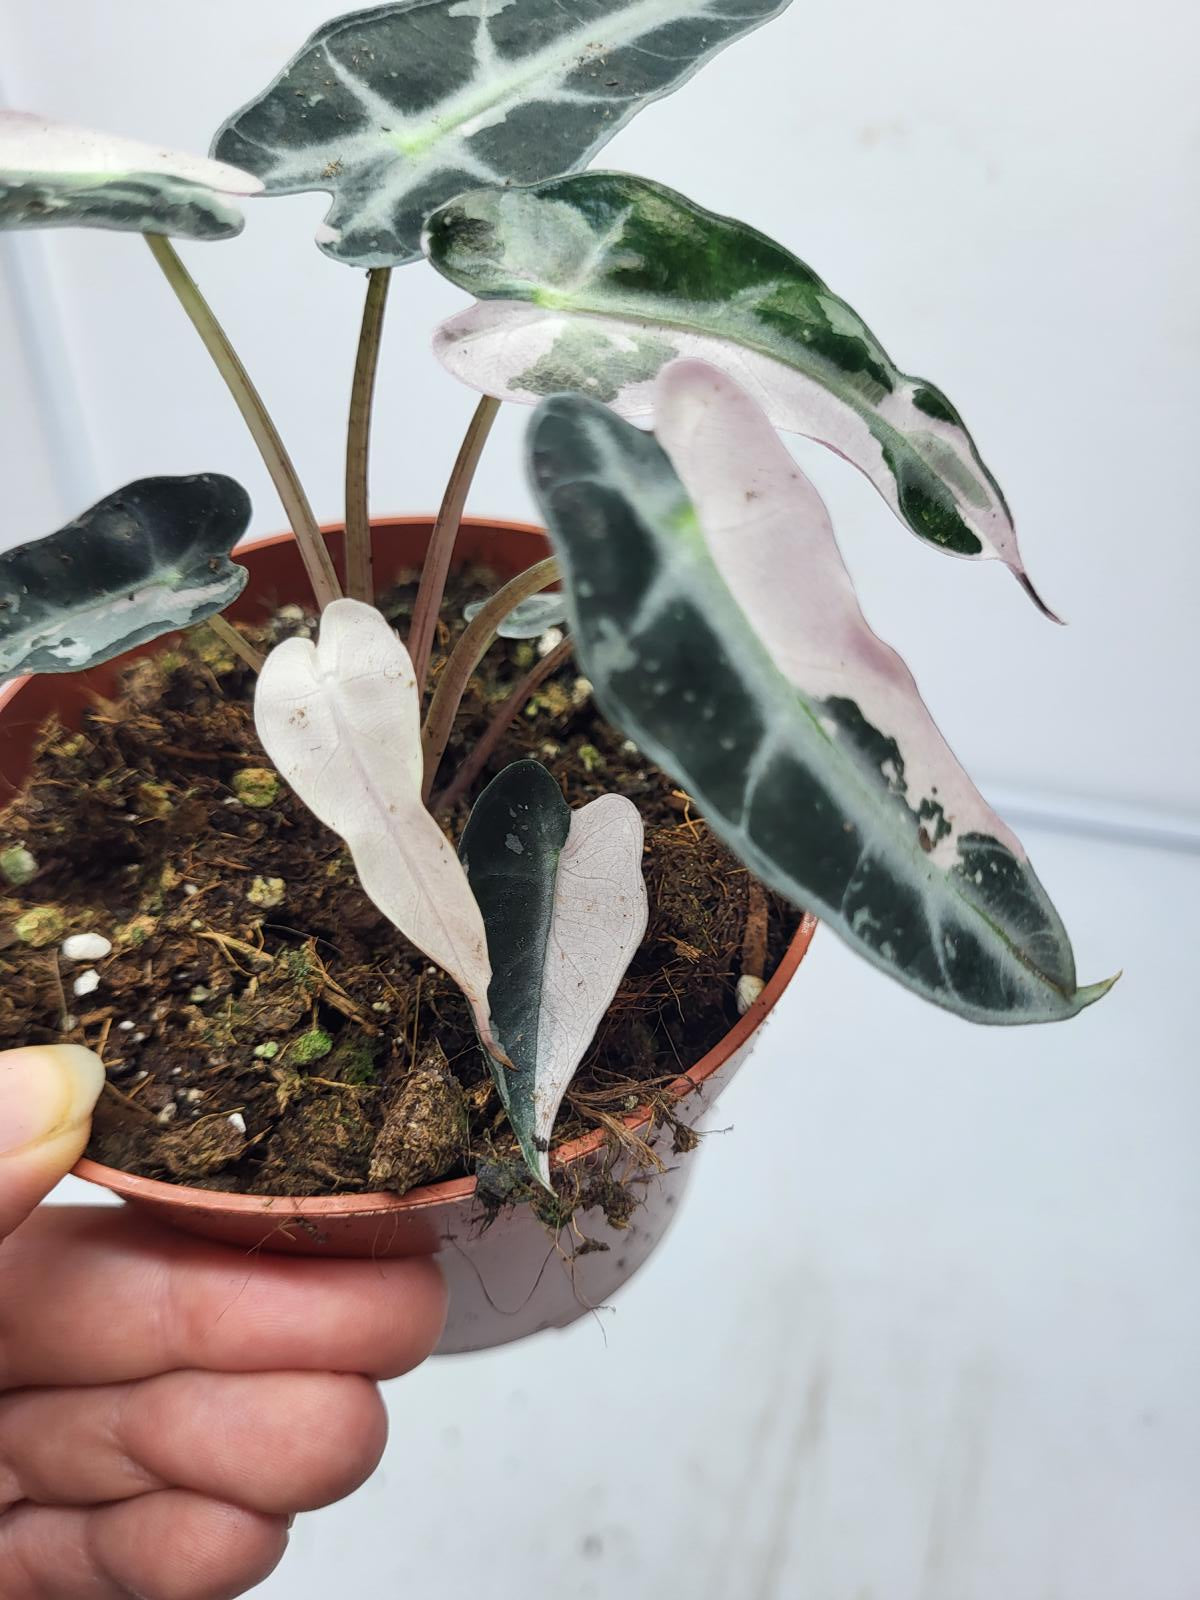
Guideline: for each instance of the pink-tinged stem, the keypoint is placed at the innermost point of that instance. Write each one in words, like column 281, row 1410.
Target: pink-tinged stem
column 360, row 583
column 466, row 656
column 491, row 736
column 441, row 542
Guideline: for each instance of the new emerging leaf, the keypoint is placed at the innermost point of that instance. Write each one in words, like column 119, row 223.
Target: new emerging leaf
column 715, row 619
column 394, row 110
column 56, row 176
column 341, row 721
column 564, row 904
column 593, row 283
column 528, row 619
column 142, row 562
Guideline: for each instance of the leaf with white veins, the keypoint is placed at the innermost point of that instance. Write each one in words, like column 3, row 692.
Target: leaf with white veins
column 714, row 617
column 394, row 110
column 528, row 619
column 56, row 176
column 564, row 904
column 150, row 558
column 341, row 721
column 592, row 283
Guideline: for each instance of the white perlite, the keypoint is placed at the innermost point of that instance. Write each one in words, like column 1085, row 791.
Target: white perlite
column 86, row 983
column 748, row 990
column 86, row 947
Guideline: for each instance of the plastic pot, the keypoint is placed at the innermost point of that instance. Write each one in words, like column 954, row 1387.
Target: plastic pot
column 506, row 1280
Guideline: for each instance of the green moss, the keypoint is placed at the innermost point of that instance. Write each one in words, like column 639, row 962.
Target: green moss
column 40, row 926
column 134, row 933
column 353, row 1061
column 310, row 1047
column 256, row 786
column 267, row 893
column 18, row 865
column 298, row 964
column 155, row 799
column 592, row 760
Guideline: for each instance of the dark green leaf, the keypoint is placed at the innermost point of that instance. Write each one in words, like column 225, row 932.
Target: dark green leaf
column 564, row 905
column 150, row 558
column 396, row 109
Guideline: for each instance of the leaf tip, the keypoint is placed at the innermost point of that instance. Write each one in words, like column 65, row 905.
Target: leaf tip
column 1090, row 993
column 1026, row 583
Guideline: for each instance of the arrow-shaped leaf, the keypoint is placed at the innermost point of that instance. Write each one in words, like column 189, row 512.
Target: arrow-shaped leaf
column 56, row 176
column 394, row 110
column 341, row 721
column 564, row 904
column 593, row 283
column 721, row 632
column 528, row 619
column 150, row 558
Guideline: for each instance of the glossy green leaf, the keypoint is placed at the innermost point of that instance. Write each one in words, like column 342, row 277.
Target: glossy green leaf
column 56, row 176
column 593, row 283
column 150, row 558
column 394, row 110
column 715, row 619
column 564, row 905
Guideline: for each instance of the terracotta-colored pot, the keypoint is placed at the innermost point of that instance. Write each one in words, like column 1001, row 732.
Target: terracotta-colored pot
column 506, row 1280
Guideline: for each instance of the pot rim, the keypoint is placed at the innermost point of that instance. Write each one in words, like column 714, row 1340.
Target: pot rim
column 453, row 1190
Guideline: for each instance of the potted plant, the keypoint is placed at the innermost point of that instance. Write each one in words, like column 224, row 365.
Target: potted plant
column 662, row 735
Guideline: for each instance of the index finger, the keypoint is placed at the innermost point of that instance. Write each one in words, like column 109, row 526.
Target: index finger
column 96, row 1295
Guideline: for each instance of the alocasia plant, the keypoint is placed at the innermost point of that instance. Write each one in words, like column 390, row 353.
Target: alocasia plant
column 701, row 585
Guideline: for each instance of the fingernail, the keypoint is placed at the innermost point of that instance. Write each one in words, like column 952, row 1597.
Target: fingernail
column 44, row 1092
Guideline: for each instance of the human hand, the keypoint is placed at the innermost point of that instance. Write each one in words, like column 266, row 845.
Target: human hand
column 167, row 1405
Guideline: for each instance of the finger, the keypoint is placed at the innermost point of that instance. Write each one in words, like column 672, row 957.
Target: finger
column 93, row 1295
column 167, row 1546
column 46, row 1098
column 275, row 1441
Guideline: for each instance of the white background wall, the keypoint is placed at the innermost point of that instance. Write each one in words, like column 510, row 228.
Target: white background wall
column 961, row 1359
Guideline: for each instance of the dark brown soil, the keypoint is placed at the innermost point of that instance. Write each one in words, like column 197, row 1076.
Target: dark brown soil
column 265, row 1029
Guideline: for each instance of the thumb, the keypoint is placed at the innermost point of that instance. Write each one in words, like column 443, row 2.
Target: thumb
column 46, row 1098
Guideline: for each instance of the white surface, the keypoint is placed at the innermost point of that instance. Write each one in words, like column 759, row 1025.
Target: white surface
column 1006, row 193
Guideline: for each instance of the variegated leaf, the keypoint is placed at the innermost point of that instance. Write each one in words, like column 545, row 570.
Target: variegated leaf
column 341, row 720
column 593, row 283
column 564, row 904
column 56, row 176
column 150, row 558
column 714, row 617
column 394, row 110
column 528, row 619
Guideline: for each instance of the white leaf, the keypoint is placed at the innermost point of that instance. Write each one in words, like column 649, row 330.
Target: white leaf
column 30, row 143
column 341, row 721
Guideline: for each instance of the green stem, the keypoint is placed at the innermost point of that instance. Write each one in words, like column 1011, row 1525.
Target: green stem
column 466, row 656
column 477, row 758
column 278, row 463
column 441, row 540
column 360, row 584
